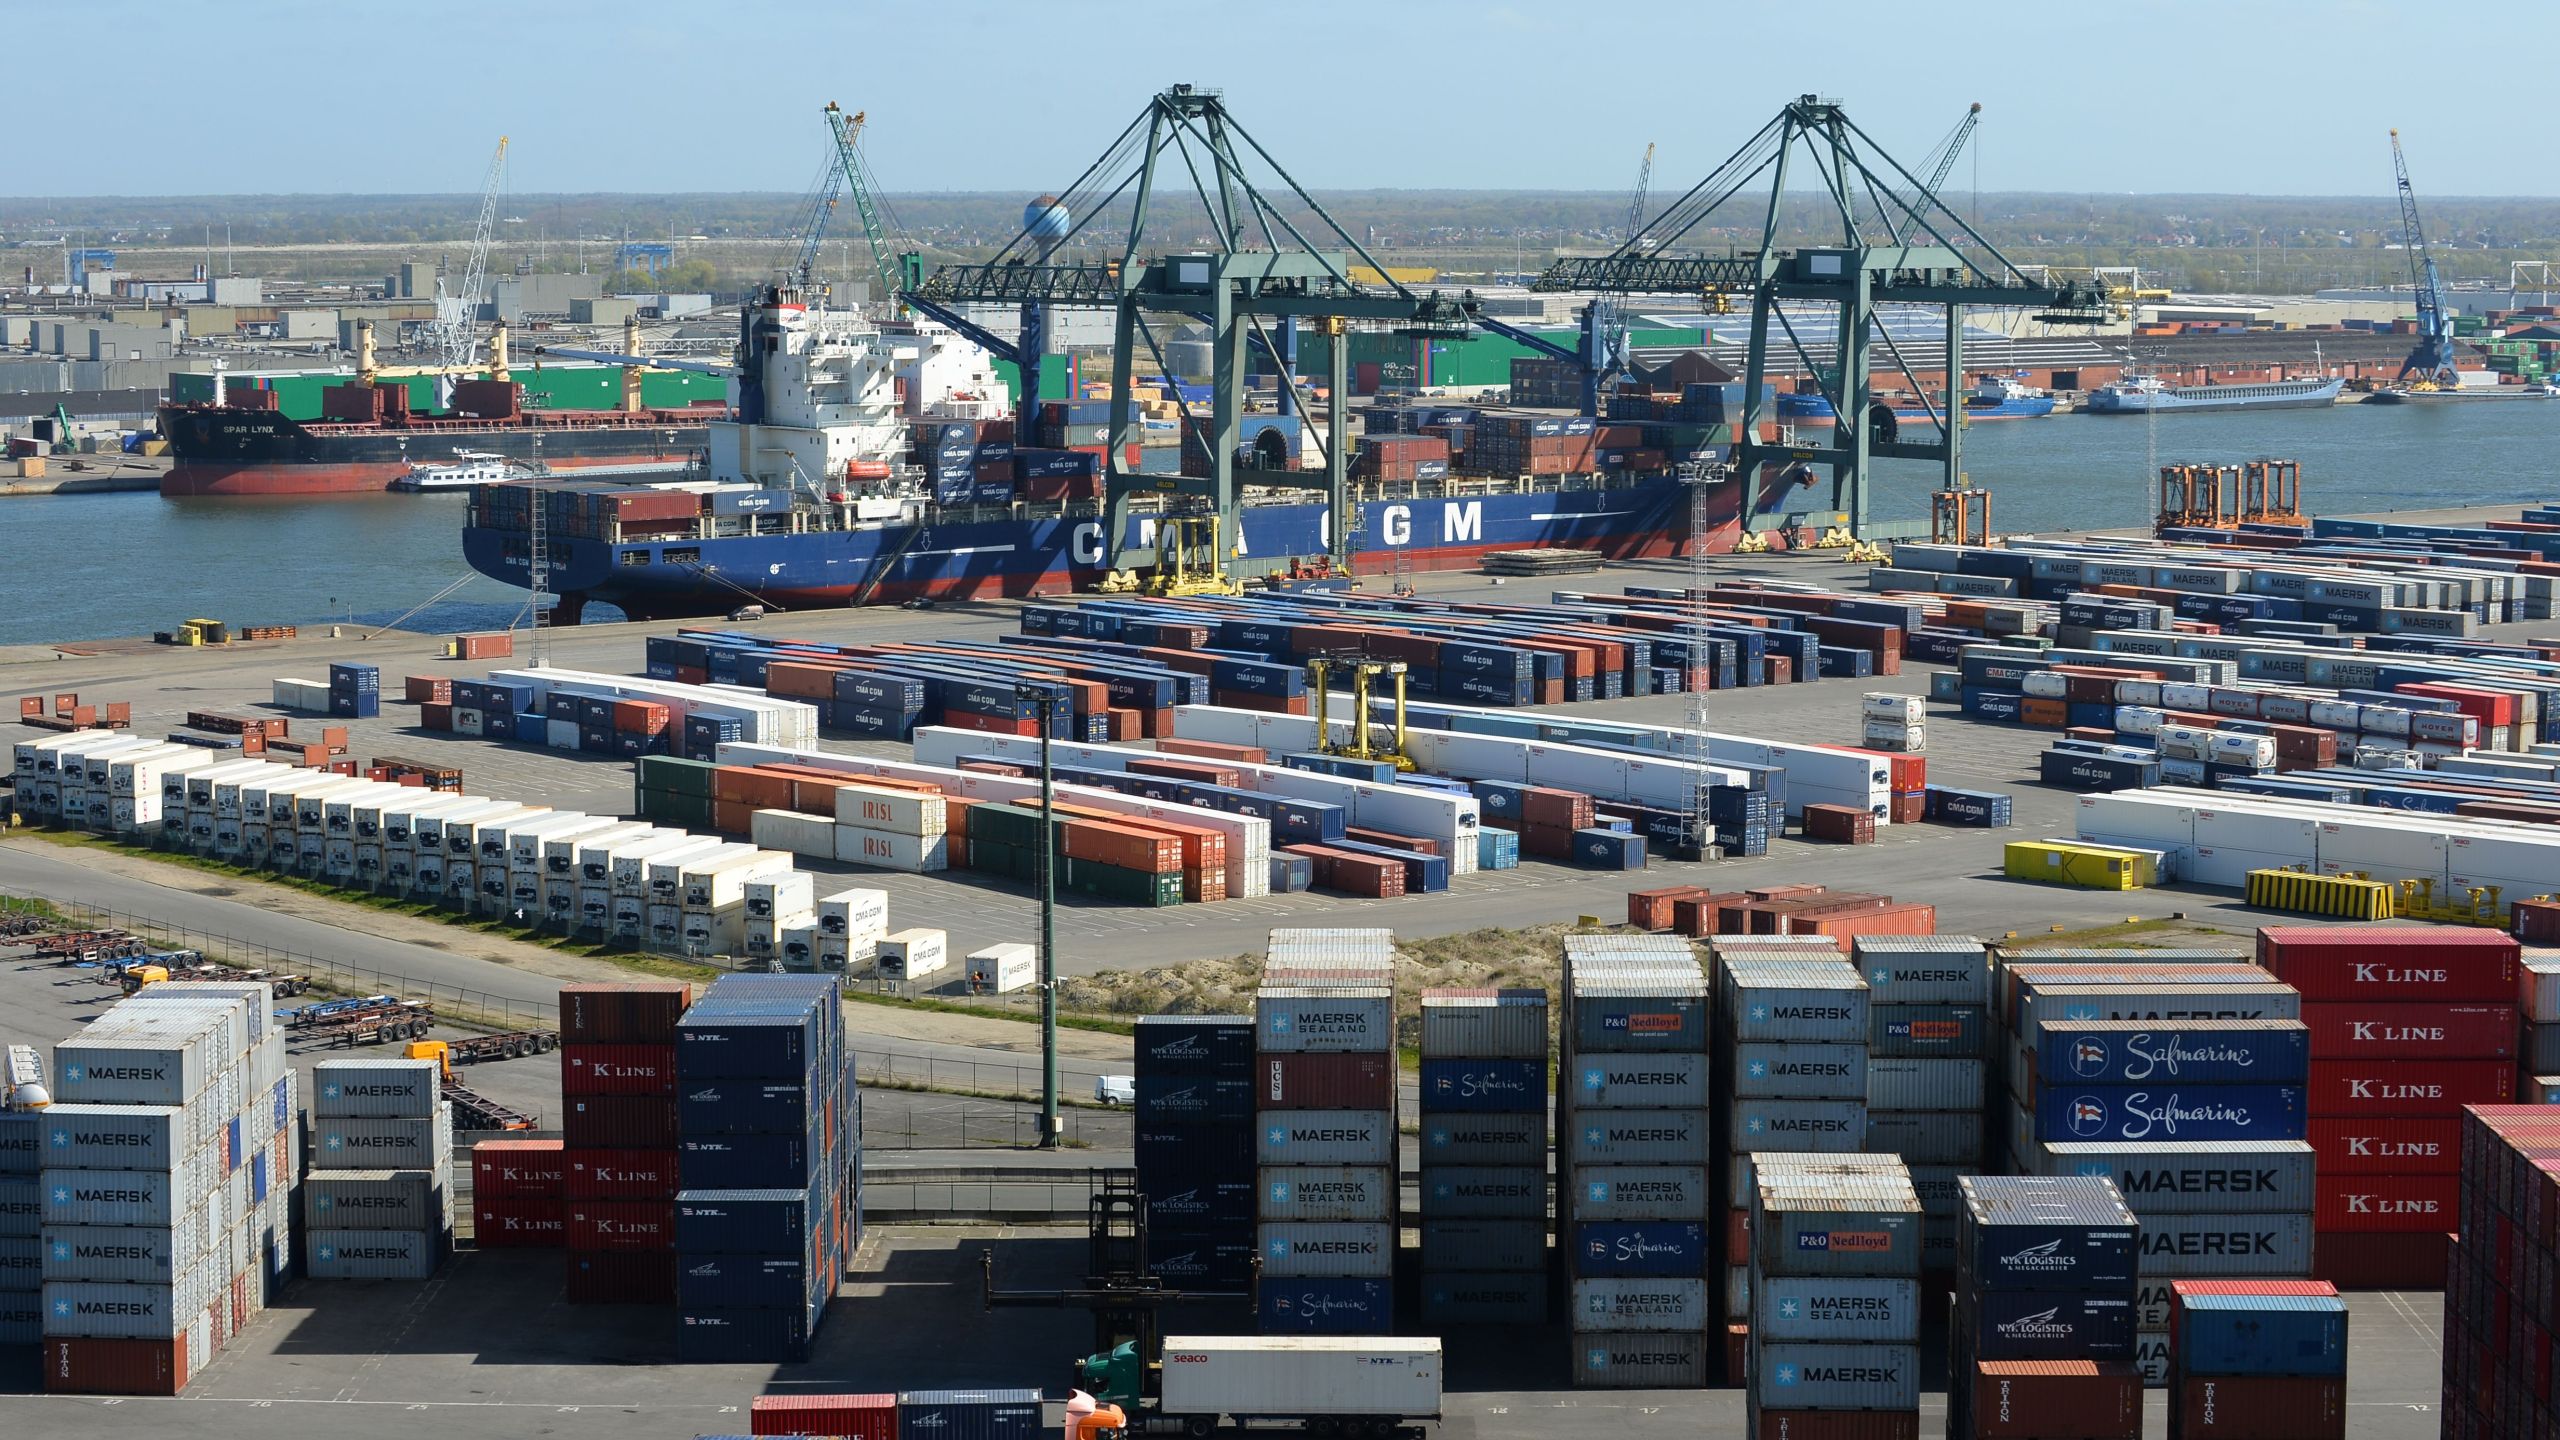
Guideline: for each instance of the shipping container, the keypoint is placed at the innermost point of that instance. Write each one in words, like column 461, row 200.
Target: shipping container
column 1839, row 1308
column 1354, row 1194
column 1639, row 1361
column 2048, row 1233
column 2170, row 1176
column 2056, row 1400
column 1325, row 1137
column 1787, row 1375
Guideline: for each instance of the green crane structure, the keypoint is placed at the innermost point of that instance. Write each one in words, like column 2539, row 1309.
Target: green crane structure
column 1898, row 243
column 1274, row 256
column 847, row 129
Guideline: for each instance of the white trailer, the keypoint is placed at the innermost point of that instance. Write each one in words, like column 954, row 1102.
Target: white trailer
column 1347, row 1384
column 1003, row 968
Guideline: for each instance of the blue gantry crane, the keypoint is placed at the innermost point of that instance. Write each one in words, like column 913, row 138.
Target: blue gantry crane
column 2430, row 363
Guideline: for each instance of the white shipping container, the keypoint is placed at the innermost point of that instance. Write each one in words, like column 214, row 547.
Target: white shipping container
column 905, row 812
column 1003, row 968
column 372, row 1254
column 113, row 1197
column 719, row 882
column 778, row 895
column 1909, row 709
column 1345, row 1193
column 1639, row 1304
column 665, row 869
column 914, row 954
column 635, row 865
column 887, row 850
column 854, row 914
column 1301, row 1375
column 1293, row 1249
column 588, row 859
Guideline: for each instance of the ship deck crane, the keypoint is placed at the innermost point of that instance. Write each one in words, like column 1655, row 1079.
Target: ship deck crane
column 2431, row 361
column 846, row 130
column 1274, row 254
column 458, row 316
column 813, row 229
column 1910, row 247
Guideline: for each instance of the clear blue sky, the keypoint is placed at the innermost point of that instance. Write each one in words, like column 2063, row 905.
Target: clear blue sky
column 148, row 97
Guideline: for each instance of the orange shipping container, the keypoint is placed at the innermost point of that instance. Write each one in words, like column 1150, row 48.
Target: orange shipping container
column 639, row 717
column 1212, row 750
column 1123, row 845
column 801, row 680
column 757, row 789
column 2040, row 710
column 1651, row 909
column 815, row 797
column 735, row 817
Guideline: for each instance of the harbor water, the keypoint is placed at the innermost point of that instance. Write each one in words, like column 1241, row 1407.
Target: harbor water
column 85, row 567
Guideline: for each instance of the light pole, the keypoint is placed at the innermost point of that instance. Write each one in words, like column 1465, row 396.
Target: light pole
column 1045, row 700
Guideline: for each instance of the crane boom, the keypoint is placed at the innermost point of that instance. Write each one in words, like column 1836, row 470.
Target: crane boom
column 2431, row 360
column 458, row 316
column 847, row 129
column 813, row 229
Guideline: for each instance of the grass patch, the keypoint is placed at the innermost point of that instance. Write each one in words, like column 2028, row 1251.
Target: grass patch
column 2128, row 933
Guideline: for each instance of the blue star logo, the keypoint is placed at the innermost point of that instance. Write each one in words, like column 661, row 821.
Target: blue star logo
column 1439, row 1137
column 61, row 1250
column 75, row 1072
column 1280, row 1191
column 1277, row 1135
column 328, row 1252
column 1785, row 1375
column 1596, row 1359
column 1759, row 1067
column 61, row 1195
column 1591, row 1079
column 1787, row 1309
column 1280, row 1024
column 61, row 1139
column 1756, row 1124
column 335, row 1142
column 1279, row 1249
column 323, row 1203
column 1591, row 1135
column 1759, row 1012
column 2081, row 1012
column 1599, row 1190
column 1879, row 976
column 329, row 1091
column 62, row 1308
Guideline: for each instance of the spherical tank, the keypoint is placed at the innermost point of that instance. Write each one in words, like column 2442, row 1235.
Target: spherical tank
column 1046, row 220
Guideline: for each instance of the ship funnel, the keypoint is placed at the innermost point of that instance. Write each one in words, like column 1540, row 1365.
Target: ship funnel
column 631, row 373
column 364, row 352
column 498, row 351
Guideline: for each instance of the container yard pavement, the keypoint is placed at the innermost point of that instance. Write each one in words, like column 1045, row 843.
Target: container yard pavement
column 487, row 1349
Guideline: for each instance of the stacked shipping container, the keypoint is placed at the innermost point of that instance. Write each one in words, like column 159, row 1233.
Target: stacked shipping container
column 1927, row 1040
column 21, row 1228
column 1194, row 1136
column 1835, row 1296
column 1484, row 1162
column 519, row 1194
column 619, row 1124
column 2497, row 1308
column 2041, row 1346
column 2258, row 1358
column 378, row 1203
column 1325, row 1101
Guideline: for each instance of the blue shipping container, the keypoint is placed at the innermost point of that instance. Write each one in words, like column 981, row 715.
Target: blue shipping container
column 2169, row 1112
column 741, row 1337
column 1326, row 1306
column 1658, row 1249
column 971, row 1414
column 745, row 1222
column 2126, row 1052
column 1484, row 1085
column 744, row 1282
column 2260, row 1335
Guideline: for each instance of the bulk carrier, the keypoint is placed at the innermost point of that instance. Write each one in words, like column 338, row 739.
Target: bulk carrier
column 809, row 498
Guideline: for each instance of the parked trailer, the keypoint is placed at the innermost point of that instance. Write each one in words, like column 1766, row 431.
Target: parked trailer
column 1373, row 1386
column 511, row 1045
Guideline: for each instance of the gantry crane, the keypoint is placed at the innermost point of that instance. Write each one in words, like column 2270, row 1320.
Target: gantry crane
column 1913, row 249
column 457, row 322
column 1272, row 256
column 2431, row 361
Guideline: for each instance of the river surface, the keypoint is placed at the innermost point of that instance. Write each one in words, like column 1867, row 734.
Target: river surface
column 82, row 567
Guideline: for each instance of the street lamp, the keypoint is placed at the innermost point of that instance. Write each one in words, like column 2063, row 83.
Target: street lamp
column 1046, row 698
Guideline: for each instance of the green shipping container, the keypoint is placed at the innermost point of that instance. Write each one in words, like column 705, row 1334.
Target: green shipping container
column 676, row 775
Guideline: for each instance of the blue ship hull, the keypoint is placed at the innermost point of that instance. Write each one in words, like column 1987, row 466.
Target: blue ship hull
column 2031, row 408
column 1012, row 557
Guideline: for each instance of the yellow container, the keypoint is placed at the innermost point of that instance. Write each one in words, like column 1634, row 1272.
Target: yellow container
column 2054, row 862
column 2299, row 892
column 2146, row 863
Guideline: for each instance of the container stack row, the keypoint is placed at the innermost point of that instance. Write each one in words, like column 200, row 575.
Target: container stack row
column 1793, row 1023
column 1484, row 1159
column 1193, row 1132
column 1325, row 1118
column 2408, row 1025
column 619, row 1125
column 1835, row 1298
column 2497, row 1312
column 166, row 1190
column 2538, row 1020
column 1927, row 1044
column 21, row 1229
column 769, row 1155
column 2040, row 1342
column 1633, row 1129
column 355, row 691
column 617, row 715
column 378, row 1203
column 519, row 1194
column 2257, row 1359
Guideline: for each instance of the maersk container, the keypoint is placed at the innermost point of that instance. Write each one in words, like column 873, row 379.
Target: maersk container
column 1906, row 1083
column 1810, row 1000
column 1923, row 969
column 374, row 1089
column 1220, row 1046
column 2259, row 1334
column 1638, row 1304
column 1639, row 1360
column 1638, row 1082
column 2212, row 1244
column 1836, row 1309
column 1471, row 1085
column 374, row 1200
column 2173, row 1000
column 1465, row 1138
column 1660, row 1249
column 1800, row 1071
column 1485, row 1025
column 2047, row 1233
column 1927, row 1137
column 1362, row 1194
column 1508, row 1245
column 133, row 1069
column 1816, row 1125
column 2049, row 1325
column 1304, row 1019
column 372, row 1254
column 409, row 1144
column 1294, row 1249
column 1615, row 1193
column 1836, row 1226
column 2130, row 1052
column 1636, row 1137
column 1475, row 1192
column 1482, row 1297
column 1925, row 1030
column 1285, row 1376
column 1326, row 1305
column 21, row 1143
column 1325, row 1137
column 114, row 1137
column 123, row 1254
column 89, row 1309
column 1793, row 1376
column 2169, row 1112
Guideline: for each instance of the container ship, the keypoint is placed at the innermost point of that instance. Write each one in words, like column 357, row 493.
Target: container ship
column 1993, row 397
column 872, row 465
column 2148, row 394
column 361, row 433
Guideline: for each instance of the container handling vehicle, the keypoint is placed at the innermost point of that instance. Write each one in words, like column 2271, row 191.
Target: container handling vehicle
column 471, row 1109
column 1369, row 1386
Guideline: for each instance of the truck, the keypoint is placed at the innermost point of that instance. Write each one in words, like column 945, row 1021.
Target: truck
column 1350, row 1385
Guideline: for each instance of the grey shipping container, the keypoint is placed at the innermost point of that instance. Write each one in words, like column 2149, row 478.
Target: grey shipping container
column 2190, row 1246
column 372, row 1254
column 2158, row 1177
column 1859, row 1308
column 1924, row 969
column 130, row 1254
column 1639, row 1192
column 1315, row 1019
column 1809, row 1002
column 112, row 1197
column 1363, row 1193
column 374, row 1200
column 1926, row 1030
column 374, row 1089
column 1624, row 1019
column 1465, row 1138
column 1637, row 1137
column 1503, row 1025
column 1917, row 1084
column 1803, row 1071
column 115, row 1137
column 1845, row 1232
column 1366, row 1252
column 1927, row 1137
column 1484, row 1297
column 1638, row 1304
column 408, row 1144
column 1638, row 1082
column 1794, row 1376
column 1935, row 1185
column 133, row 1312
column 1743, row 1176
column 2167, row 1000
column 1449, row 1245
column 1822, row 1125
column 135, row 1066
column 1483, row 1192
column 1325, row 1137
column 1640, row 1360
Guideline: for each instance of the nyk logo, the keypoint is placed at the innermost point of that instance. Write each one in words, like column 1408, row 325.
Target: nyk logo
column 2047, row 1256
column 2040, row 1326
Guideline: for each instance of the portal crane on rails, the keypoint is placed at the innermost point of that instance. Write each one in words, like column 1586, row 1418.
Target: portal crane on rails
column 2430, row 365
column 458, row 316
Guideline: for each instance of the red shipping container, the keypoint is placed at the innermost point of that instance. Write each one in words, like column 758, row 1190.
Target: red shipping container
column 115, row 1367
column 2368, row 1260
column 629, row 1012
column 621, row 1175
column 1560, row 809
column 2250, row 1407
column 1652, row 909
column 609, row 1277
column 433, row 715
column 1909, row 809
column 518, row 1169
column 621, row 1224
column 2538, row 921
column 989, row 724
column 1838, row 1425
column 417, row 689
column 2057, row 1400
column 2401, row 1203
column 1326, row 1082
column 2387, row 1146
column 1843, row 824
column 617, row 1069
column 2340, row 962
column 2408, row 1087
column 618, row 1122
column 1211, row 750
column 2411, row 1031
column 856, row 1417
column 521, row 1223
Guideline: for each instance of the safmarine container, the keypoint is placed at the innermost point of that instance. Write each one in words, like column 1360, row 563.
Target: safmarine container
column 1326, row 1305
column 375, row 1089
column 1801, row 1071
column 1325, row 1137
column 1636, row 1137
column 1484, row 1192
column 1663, row 1249
column 1450, row 1086
column 2196, row 1052
column 2168, row 1176
column 2169, row 1111
column 2047, row 1233
column 1838, row 1308
column 1667, row 1081
column 1792, row 1376
column 372, row 1254
column 1292, row 1250
column 1469, row 1138
column 1506, row 1245
column 2258, row 1334
column 1361, row 1194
